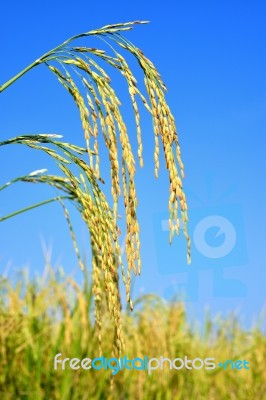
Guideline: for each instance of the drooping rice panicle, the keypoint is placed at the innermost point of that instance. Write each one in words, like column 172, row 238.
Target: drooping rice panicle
column 80, row 70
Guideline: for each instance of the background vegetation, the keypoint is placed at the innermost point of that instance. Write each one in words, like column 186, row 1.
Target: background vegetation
column 51, row 315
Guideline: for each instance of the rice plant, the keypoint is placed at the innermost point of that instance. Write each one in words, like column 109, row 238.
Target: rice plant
column 80, row 71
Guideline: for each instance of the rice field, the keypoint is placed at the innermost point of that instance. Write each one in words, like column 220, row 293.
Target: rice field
column 53, row 314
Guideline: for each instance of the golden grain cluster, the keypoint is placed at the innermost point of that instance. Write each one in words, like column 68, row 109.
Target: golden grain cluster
column 80, row 71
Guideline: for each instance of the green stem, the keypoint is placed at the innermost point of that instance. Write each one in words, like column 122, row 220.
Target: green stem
column 32, row 207
column 12, row 80
column 37, row 62
column 9, row 183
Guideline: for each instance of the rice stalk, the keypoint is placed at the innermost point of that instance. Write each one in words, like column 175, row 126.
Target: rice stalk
column 80, row 70
column 91, row 203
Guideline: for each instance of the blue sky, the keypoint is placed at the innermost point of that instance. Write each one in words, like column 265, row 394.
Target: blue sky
column 211, row 56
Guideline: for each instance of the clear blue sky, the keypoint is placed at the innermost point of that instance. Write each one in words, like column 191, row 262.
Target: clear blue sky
column 212, row 58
